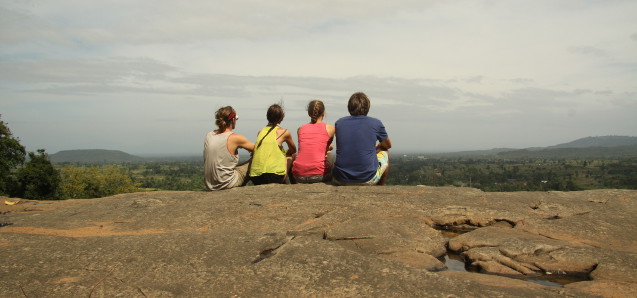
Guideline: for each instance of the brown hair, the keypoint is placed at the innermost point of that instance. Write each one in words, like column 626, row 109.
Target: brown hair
column 275, row 114
column 222, row 117
column 358, row 104
column 315, row 109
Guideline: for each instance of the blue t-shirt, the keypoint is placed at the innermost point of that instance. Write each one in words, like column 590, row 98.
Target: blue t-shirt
column 356, row 138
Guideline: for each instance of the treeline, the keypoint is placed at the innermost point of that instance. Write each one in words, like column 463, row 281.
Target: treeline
column 490, row 174
column 31, row 175
column 619, row 152
column 487, row 174
column 91, row 181
column 169, row 175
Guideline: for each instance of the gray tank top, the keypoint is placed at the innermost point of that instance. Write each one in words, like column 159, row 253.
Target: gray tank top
column 219, row 164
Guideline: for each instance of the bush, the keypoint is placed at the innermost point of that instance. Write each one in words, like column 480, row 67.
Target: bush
column 94, row 182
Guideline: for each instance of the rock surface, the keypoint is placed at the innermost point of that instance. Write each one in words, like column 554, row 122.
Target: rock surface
column 320, row 240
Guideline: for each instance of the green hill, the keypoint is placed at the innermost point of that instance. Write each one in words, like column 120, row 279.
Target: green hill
column 605, row 147
column 603, row 141
column 573, row 153
column 94, row 156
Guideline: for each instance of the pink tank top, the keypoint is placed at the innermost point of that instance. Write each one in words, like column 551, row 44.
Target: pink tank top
column 313, row 142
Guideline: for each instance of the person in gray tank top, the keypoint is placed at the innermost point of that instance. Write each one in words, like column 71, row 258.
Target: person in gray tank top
column 221, row 153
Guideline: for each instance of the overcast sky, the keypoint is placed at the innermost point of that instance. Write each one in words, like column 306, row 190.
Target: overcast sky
column 146, row 77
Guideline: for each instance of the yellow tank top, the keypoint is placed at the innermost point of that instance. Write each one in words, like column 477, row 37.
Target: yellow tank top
column 269, row 157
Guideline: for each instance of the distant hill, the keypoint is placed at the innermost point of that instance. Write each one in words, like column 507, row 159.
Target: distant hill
column 474, row 153
column 94, row 156
column 573, row 153
column 604, row 141
column 604, row 147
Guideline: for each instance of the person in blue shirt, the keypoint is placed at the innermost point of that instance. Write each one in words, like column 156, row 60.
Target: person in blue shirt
column 360, row 160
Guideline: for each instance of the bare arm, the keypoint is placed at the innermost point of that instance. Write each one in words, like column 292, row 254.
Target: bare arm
column 384, row 145
column 237, row 141
column 297, row 136
column 287, row 138
column 331, row 131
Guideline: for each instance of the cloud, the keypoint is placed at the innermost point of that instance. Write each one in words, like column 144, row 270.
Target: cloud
column 193, row 21
column 585, row 50
column 102, row 70
column 490, row 73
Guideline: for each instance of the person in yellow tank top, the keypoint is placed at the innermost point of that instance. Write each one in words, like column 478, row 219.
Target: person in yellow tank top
column 271, row 162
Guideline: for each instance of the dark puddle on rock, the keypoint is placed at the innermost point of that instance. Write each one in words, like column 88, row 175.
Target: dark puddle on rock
column 453, row 260
column 456, row 262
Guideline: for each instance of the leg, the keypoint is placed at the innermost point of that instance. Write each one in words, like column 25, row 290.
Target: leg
column 243, row 169
column 383, row 177
column 290, row 162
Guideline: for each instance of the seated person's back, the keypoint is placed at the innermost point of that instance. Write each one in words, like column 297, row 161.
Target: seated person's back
column 221, row 153
column 359, row 159
column 315, row 141
column 270, row 162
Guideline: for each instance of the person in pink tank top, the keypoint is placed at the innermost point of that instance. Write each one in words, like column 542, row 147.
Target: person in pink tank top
column 314, row 162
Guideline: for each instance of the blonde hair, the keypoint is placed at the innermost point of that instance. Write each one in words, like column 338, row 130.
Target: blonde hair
column 315, row 109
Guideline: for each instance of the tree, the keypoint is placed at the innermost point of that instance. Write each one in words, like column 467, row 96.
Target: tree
column 38, row 179
column 11, row 156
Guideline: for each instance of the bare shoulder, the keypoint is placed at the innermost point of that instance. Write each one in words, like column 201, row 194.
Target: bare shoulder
column 330, row 130
column 283, row 132
column 237, row 138
column 240, row 141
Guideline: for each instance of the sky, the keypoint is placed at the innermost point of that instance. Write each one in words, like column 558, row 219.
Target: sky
column 146, row 77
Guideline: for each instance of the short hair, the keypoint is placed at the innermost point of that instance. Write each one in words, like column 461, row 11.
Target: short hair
column 358, row 104
column 315, row 109
column 222, row 117
column 275, row 114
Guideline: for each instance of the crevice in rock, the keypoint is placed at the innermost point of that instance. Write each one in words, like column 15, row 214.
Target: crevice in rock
column 468, row 225
column 264, row 255
column 458, row 261
column 512, row 223
column 4, row 224
column 454, row 230
column 351, row 238
column 270, row 252
column 319, row 214
column 542, row 251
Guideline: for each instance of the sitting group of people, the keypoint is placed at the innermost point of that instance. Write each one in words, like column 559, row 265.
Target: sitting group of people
column 362, row 145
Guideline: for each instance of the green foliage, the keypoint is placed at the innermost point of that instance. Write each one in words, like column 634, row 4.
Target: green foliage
column 485, row 173
column 95, row 182
column 38, row 179
column 170, row 175
column 629, row 151
column 490, row 174
column 12, row 155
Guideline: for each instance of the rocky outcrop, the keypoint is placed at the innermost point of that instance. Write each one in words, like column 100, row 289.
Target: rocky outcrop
column 321, row 240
